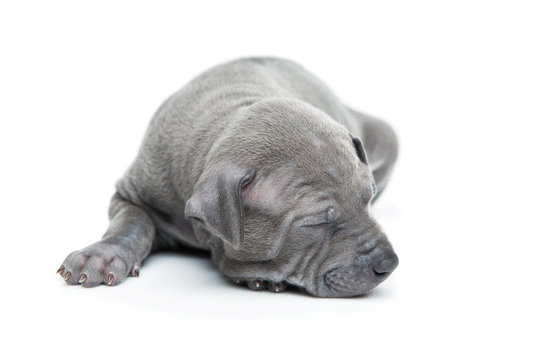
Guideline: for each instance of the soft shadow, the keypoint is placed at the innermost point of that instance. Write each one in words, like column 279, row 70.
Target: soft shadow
column 189, row 252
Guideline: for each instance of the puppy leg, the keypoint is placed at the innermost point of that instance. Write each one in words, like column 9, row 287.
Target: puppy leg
column 124, row 246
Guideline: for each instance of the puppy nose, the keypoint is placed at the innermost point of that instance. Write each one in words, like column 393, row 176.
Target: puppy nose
column 386, row 265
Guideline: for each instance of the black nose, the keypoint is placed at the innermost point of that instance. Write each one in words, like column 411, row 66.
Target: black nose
column 386, row 264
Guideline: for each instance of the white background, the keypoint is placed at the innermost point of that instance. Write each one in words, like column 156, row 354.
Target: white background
column 459, row 81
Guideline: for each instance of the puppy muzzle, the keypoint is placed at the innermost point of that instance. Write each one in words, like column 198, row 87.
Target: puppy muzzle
column 354, row 280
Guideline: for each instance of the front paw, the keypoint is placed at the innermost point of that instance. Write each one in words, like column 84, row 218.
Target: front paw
column 258, row 285
column 99, row 263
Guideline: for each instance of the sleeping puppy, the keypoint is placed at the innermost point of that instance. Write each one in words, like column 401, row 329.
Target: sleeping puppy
column 258, row 162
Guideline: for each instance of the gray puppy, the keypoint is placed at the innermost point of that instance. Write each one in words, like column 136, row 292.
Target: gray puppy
column 257, row 161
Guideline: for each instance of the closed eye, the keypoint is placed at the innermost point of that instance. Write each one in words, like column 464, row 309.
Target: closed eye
column 336, row 228
column 333, row 226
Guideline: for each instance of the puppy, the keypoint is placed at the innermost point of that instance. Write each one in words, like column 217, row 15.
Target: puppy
column 259, row 163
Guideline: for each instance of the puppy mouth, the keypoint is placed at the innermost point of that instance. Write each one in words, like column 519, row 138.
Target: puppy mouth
column 353, row 281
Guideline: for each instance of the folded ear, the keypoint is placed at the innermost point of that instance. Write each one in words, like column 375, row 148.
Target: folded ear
column 360, row 151
column 217, row 203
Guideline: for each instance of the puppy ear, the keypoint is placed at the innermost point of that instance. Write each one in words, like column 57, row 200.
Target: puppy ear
column 217, row 203
column 360, row 151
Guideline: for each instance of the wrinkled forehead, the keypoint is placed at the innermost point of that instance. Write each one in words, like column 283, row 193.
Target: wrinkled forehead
column 310, row 189
column 274, row 191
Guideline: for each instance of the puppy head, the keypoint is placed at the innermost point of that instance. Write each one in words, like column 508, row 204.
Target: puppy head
column 287, row 196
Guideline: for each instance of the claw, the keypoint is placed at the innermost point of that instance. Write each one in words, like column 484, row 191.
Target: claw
column 68, row 276
column 110, row 279
column 136, row 271
column 82, row 279
column 256, row 284
column 60, row 270
column 277, row 287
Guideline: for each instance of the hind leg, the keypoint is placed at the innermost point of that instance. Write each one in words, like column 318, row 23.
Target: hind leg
column 381, row 144
column 119, row 254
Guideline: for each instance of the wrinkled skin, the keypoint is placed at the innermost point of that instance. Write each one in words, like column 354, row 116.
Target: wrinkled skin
column 259, row 163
